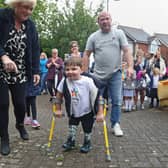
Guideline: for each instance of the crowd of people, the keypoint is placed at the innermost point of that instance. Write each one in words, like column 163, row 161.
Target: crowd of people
column 26, row 74
column 149, row 69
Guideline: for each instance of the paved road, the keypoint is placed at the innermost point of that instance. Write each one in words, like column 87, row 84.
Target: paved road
column 144, row 145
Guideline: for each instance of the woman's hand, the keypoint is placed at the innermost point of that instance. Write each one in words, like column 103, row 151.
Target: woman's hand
column 9, row 65
column 56, row 65
column 36, row 79
column 53, row 61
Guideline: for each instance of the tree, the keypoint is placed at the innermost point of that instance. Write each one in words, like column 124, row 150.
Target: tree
column 72, row 22
column 2, row 3
column 78, row 24
column 57, row 26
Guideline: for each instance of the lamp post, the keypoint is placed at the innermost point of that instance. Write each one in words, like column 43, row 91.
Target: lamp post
column 108, row 4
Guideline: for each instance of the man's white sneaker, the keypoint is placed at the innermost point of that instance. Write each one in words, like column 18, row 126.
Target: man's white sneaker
column 142, row 107
column 134, row 107
column 117, row 130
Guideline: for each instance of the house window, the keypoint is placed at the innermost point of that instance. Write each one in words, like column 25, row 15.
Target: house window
column 153, row 47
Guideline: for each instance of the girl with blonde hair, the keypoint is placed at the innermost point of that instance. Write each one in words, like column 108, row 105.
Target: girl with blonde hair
column 154, row 87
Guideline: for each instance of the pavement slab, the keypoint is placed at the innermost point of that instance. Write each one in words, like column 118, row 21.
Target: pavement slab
column 144, row 144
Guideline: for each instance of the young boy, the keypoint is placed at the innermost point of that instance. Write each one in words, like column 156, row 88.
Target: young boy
column 80, row 94
column 128, row 91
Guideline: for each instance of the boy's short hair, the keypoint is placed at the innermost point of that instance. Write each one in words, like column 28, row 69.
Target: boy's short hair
column 73, row 61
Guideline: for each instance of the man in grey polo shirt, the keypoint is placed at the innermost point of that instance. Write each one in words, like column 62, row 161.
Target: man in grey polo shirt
column 107, row 44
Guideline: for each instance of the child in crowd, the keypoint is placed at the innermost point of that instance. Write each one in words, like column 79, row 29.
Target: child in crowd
column 128, row 90
column 32, row 92
column 80, row 94
column 142, row 80
column 154, row 87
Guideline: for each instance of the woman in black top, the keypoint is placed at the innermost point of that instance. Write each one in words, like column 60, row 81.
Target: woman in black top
column 19, row 62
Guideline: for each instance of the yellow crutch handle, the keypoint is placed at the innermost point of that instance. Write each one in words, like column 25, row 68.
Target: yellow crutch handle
column 54, row 108
column 105, row 108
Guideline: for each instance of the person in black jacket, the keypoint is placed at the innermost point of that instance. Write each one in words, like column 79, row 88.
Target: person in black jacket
column 19, row 63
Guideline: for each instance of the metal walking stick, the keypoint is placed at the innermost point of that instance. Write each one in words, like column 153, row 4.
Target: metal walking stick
column 53, row 120
column 51, row 132
column 108, row 156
